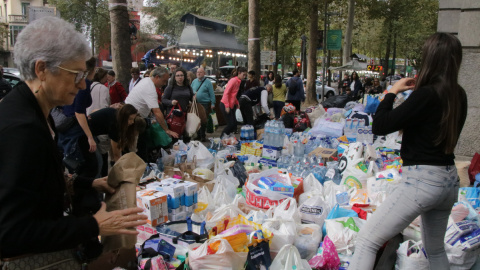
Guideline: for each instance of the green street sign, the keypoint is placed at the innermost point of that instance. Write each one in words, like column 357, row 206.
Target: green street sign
column 334, row 40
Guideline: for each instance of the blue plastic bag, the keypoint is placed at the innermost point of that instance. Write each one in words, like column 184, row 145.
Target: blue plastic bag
column 472, row 194
column 338, row 212
column 372, row 104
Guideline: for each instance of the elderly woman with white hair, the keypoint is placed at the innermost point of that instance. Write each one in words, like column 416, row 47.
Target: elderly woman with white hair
column 34, row 232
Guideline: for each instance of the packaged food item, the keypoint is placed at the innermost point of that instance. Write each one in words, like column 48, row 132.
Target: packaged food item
column 154, row 204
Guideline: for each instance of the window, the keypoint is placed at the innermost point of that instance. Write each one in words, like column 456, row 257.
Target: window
column 14, row 30
column 25, row 9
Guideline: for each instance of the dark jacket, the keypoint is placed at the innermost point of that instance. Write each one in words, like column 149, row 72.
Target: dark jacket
column 32, row 186
column 5, row 88
column 300, row 94
column 358, row 88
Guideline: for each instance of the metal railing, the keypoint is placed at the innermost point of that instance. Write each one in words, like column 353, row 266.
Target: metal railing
column 18, row 18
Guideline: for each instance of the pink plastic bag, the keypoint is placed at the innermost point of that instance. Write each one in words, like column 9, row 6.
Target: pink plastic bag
column 327, row 259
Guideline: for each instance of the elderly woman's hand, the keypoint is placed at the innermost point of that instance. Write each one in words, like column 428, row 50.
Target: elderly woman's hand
column 118, row 222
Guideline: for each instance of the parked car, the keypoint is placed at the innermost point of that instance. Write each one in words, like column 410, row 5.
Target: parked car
column 329, row 91
column 11, row 78
column 14, row 71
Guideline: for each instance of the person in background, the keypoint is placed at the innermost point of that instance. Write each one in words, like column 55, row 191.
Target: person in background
column 5, row 87
column 203, row 90
column 368, row 86
column 432, row 119
column 79, row 135
column 269, row 79
column 145, row 99
column 342, row 86
column 229, row 101
column 173, row 68
column 376, row 88
column 355, row 85
column 99, row 92
column 32, row 180
column 252, row 80
column 117, row 92
column 191, row 76
column 118, row 126
column 178, row 92
column 135, row 72
column 279, row 93
column 299, row 95
column 252, row 97
column 383, row 83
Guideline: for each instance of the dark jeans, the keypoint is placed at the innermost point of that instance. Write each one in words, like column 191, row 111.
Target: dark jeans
column 201, row 132
column 246, row 107
column 89, row 168
column 295, row 103
column 142, row 145
column 277, row 108
column 230, row 118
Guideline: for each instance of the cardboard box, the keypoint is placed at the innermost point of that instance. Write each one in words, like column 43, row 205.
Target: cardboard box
column 176, row 210
column 154, row 203
column 270, row 152
column 325, row 153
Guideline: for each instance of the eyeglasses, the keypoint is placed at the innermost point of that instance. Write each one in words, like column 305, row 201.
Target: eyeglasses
column 81, row 75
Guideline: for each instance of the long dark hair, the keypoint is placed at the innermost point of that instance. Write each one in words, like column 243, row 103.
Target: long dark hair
column 441, row 59
column 127, row 134
column 100, row 73
column 356, row 77
column 278, row 81
column 268, row 75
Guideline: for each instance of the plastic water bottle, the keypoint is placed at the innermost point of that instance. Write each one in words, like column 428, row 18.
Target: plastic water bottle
column 282, row 133
column 361, row 131
column 266, row 139
column 310, row 146
column 332, row 173
column 347, row 130
column 252, row 132
column 354, row 129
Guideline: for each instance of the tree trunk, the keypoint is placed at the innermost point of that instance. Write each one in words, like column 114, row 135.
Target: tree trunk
column 275, row 48
column 394, row 53
column 254, row 37
column 347, row 48
column 312, row 55
column 121, row 44
column 387, row 52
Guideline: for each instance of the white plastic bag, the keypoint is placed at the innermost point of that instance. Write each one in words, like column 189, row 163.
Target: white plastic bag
column 308, row 239
column 314, row 210
column 238, row 115
column 343, row 233
column 287, row 210
column 224, row 258
column 288, row 258
column 204, row 158
column 284, row 233
column 205, row 202
column 459, row 259
column 231, row 210
column 193, row 121
column 416, row 260
column 312, row 187
column 330, row 192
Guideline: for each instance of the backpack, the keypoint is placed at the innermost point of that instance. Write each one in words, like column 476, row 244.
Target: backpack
column 292, row 87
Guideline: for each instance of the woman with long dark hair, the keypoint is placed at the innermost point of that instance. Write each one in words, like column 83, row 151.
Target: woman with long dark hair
column 432, row 119
column 269, row 79
column 355, row 85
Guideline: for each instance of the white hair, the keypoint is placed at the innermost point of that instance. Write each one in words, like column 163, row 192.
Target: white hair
column 49, row 39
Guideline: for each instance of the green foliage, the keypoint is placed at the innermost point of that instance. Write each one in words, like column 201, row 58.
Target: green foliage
column 89, row 16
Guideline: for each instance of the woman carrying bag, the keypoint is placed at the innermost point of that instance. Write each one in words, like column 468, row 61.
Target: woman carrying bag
column 177, row 96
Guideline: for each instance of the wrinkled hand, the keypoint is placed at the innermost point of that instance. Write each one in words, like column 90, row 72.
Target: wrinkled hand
column 172, row 134
column 93, row 145
column 174, row 102
column 101, row 185
column 118, row 222
column 402, row 85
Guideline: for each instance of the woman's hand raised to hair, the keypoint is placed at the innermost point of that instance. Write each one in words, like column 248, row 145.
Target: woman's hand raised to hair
column 402, row 85
column 119, row 221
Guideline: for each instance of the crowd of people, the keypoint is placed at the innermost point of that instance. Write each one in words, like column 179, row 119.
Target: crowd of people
column 69, row 113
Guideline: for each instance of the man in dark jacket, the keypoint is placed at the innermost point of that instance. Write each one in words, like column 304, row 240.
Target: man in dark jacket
column 342, row 86
column 296, row 92
column 5, row 87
